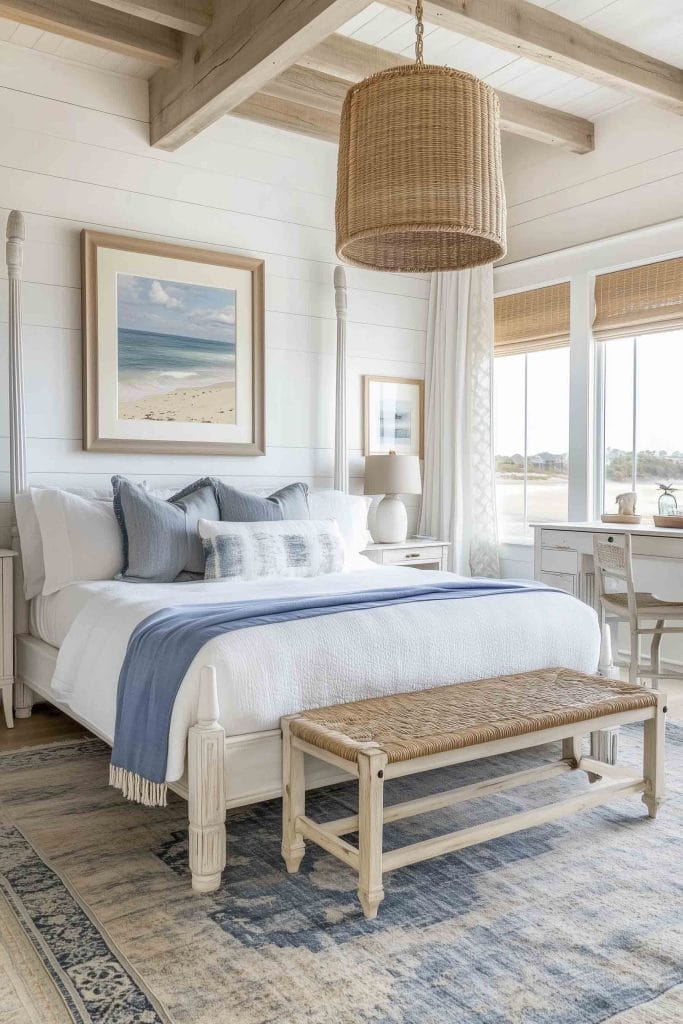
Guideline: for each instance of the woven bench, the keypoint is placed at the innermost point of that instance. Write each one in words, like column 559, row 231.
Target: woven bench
column 387, row 737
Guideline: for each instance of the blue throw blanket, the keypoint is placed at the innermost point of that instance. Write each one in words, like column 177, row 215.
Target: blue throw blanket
column 163, row 646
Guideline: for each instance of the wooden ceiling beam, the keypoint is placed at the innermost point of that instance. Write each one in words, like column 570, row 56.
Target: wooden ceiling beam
column 191, row 16
column 324, row 74
column 246, row 46
column 528, row 30
column 291, row 117
column 98, row 25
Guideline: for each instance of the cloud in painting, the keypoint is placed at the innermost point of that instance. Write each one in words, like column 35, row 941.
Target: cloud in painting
column 176, row 308
column 160, row 297
column 215, row 317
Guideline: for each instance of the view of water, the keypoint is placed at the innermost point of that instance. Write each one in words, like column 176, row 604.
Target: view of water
column 547, row 502
column 155, row 363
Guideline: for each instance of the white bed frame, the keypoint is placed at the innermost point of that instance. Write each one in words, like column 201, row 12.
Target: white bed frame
column 221, row 772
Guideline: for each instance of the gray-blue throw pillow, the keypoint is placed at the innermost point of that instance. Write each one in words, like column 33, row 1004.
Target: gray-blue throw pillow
column 160, row 538
column 290, row 502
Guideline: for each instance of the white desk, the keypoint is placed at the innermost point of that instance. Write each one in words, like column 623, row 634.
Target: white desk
column 563, row 552
column 563, row 558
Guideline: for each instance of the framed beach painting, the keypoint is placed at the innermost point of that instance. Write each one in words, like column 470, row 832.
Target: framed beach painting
column 393, row 413
column 173, row 341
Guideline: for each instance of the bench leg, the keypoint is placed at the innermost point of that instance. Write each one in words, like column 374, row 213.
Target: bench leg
column 293, row 800
column 371, row 765
column 653, row 757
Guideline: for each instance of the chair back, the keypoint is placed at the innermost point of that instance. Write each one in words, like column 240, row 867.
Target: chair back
column 613, row 560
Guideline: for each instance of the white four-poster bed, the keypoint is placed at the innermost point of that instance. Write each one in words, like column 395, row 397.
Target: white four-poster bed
column 222, row 770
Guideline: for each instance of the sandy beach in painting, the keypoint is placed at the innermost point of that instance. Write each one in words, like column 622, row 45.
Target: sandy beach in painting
column 212, row 403
column 176, row 351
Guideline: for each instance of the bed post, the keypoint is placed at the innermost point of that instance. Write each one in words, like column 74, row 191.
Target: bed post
column 341, row 460
column 206, row 788
column 16, row 234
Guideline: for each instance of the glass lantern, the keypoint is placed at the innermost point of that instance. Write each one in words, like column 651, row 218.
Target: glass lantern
column 668, row 506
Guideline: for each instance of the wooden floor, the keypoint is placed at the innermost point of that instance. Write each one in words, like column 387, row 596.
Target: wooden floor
column 47, row 725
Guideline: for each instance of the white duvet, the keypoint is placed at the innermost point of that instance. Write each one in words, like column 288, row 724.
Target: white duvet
column 265, row 672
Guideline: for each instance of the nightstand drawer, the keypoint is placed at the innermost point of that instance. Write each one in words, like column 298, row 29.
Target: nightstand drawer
column 408, row 555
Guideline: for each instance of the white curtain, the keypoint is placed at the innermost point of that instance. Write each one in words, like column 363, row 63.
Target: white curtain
column 458, row 501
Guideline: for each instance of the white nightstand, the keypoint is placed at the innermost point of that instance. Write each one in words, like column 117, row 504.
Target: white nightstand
column 420, row 552
column 6, row 634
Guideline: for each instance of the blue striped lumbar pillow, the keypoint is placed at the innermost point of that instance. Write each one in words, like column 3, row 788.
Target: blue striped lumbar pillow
column 288, row 547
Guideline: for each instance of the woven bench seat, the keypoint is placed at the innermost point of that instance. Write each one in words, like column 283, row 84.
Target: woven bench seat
column 383, row 738
column 417, row 724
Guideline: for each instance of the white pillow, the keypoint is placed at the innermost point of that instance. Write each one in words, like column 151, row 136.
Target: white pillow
column 349, row 510
column 280, row 547
column 32, row 561
column 31, row 545
column 80, row 537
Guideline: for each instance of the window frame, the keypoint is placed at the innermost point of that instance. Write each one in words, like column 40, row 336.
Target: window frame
column 580, row 265
column 512, row 540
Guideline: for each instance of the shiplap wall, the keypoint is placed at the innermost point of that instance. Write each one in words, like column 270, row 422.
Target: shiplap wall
column 74, row 154
column 633, row 179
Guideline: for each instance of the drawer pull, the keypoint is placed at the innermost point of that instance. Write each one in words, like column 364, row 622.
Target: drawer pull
column 414, row 554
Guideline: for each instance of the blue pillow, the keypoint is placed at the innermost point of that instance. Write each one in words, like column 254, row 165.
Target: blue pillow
column 290, row 502
column 160, row 537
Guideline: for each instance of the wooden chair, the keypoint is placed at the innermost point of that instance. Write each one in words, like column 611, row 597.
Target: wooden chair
column 613, row 561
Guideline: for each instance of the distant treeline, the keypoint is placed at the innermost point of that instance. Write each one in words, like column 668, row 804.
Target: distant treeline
column 659, row 466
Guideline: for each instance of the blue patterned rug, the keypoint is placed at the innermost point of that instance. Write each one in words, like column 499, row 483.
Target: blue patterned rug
column 577, row 922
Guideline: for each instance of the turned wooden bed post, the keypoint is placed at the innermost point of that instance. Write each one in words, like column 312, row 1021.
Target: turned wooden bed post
column 206, row 788
column 16, row 235
column 341, row 459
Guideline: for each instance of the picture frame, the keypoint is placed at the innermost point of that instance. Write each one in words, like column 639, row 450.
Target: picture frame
column 173, row 348
column 393, row 415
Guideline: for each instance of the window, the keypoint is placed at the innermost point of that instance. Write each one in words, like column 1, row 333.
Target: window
column 531, row 408
column 531, row 439
column 643, row 422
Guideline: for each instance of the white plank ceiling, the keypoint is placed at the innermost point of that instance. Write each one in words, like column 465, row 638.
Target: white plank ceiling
column 653, row 26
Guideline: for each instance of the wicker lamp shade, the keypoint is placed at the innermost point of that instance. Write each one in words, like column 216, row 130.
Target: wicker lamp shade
column 419, row 181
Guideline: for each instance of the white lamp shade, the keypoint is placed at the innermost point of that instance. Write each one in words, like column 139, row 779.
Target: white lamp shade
column 392, row 474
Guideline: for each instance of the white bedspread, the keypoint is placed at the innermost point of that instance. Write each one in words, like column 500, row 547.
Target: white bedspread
column 265, row 672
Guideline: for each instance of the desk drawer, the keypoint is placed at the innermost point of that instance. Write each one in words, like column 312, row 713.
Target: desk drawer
column 559, row 560
column 577, row 541
column 561, row 581
column 657, row 547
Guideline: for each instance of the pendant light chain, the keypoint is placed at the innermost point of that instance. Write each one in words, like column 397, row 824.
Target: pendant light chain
column 419, row 34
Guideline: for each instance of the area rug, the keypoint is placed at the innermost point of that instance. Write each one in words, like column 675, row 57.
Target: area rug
column 577, row 922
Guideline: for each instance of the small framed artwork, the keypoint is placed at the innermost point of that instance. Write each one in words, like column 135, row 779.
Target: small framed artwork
column 393, row 412
column 173, row 348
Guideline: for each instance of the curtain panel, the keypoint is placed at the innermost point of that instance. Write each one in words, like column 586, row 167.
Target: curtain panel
column 459, row 480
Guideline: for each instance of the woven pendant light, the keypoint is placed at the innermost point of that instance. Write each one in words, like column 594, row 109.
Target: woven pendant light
column 419, row 179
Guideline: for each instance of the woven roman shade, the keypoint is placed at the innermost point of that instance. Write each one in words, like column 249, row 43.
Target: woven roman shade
column 532, row 321
column 640, row 300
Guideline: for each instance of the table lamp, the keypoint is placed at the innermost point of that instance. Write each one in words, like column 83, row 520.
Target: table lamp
column 392, row 475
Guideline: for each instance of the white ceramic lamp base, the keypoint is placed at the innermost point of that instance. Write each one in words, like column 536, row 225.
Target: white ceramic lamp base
column 391, row 521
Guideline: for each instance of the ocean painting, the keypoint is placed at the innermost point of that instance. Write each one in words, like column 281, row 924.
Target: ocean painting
column 176, row 351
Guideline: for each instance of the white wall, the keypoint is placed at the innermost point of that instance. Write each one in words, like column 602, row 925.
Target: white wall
column 74, row 154
column 633, row 178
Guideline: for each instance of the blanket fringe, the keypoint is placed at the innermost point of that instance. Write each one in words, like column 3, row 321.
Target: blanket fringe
column 135, row 788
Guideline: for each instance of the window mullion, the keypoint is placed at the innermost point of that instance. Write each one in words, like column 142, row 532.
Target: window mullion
column 525, row 503
column 634, row 442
